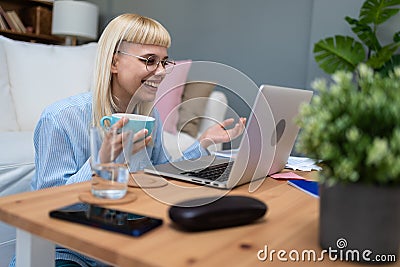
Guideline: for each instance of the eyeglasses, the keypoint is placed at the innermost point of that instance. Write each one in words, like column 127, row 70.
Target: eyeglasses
column 153, row 61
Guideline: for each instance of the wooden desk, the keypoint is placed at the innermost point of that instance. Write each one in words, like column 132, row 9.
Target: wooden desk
column 291, row 223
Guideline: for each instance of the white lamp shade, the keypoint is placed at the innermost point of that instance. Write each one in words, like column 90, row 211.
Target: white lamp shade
column 75, row 18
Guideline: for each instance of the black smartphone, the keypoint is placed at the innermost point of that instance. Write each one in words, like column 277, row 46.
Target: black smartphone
column 108, row 219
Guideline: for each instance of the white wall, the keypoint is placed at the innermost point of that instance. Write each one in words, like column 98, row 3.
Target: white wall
column 328, row 20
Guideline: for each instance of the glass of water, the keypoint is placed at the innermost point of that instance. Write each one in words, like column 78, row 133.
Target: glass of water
column 110, row 153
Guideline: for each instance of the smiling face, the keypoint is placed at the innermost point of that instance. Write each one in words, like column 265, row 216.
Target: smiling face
column 131, row 81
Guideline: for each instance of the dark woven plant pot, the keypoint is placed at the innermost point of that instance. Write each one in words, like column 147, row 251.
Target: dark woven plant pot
column 355, row 218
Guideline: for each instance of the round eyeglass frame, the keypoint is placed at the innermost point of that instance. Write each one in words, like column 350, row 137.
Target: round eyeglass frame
column 168, row 63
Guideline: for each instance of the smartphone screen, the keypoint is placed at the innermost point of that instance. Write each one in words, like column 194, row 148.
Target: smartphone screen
column 108, row 219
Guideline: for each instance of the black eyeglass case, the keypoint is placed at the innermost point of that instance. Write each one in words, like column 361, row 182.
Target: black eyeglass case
column 227, row 211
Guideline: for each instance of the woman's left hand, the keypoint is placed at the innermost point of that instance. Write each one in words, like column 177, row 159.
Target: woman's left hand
column 220, row 134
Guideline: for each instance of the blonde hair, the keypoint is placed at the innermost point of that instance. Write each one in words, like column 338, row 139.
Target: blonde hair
column 130, row 28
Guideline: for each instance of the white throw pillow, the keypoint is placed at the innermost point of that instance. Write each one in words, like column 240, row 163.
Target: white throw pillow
column 9, row 119
column 42, row 74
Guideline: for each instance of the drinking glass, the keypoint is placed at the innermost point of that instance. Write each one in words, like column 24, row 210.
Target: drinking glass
column 110, row 153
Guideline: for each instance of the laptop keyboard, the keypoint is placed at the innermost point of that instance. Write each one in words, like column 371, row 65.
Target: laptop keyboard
column 218, row 172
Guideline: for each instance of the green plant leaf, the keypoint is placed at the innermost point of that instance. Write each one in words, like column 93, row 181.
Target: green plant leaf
column 378, row 11
column 338, row 53
column 365, row 33
column 390, row 65
column 377, row 60
column 396, row 37
column 352, row 125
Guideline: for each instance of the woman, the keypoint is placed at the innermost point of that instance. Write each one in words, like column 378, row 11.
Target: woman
column 131, row 62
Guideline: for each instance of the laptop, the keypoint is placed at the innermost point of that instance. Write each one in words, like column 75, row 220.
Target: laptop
column 265, row 146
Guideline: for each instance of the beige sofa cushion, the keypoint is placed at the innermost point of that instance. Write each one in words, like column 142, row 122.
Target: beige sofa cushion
column 49, row 73
column 9, row 120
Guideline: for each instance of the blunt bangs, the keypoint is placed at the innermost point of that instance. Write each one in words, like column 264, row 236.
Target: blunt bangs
column 147, row 31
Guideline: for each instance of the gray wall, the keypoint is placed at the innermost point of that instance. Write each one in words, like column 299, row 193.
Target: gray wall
column 270, row 41
column 328, row 20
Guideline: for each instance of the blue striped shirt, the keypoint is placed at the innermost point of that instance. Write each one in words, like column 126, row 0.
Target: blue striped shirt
column 62, row 151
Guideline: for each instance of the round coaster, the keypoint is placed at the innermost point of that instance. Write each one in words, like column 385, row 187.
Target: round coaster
column 89, row 198
column 146, row 181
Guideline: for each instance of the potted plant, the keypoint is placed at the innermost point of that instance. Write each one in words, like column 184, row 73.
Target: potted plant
column 345, row 52
column 353, row 126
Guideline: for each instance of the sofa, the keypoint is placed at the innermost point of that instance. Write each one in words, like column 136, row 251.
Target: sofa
column 33, row 76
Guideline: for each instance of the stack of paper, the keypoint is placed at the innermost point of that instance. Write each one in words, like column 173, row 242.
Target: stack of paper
column 302, row 164
column 294, row 163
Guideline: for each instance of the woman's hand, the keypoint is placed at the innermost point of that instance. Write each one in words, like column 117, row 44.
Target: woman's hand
column 140, row 140
column 220, row 134
column 112, row 143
